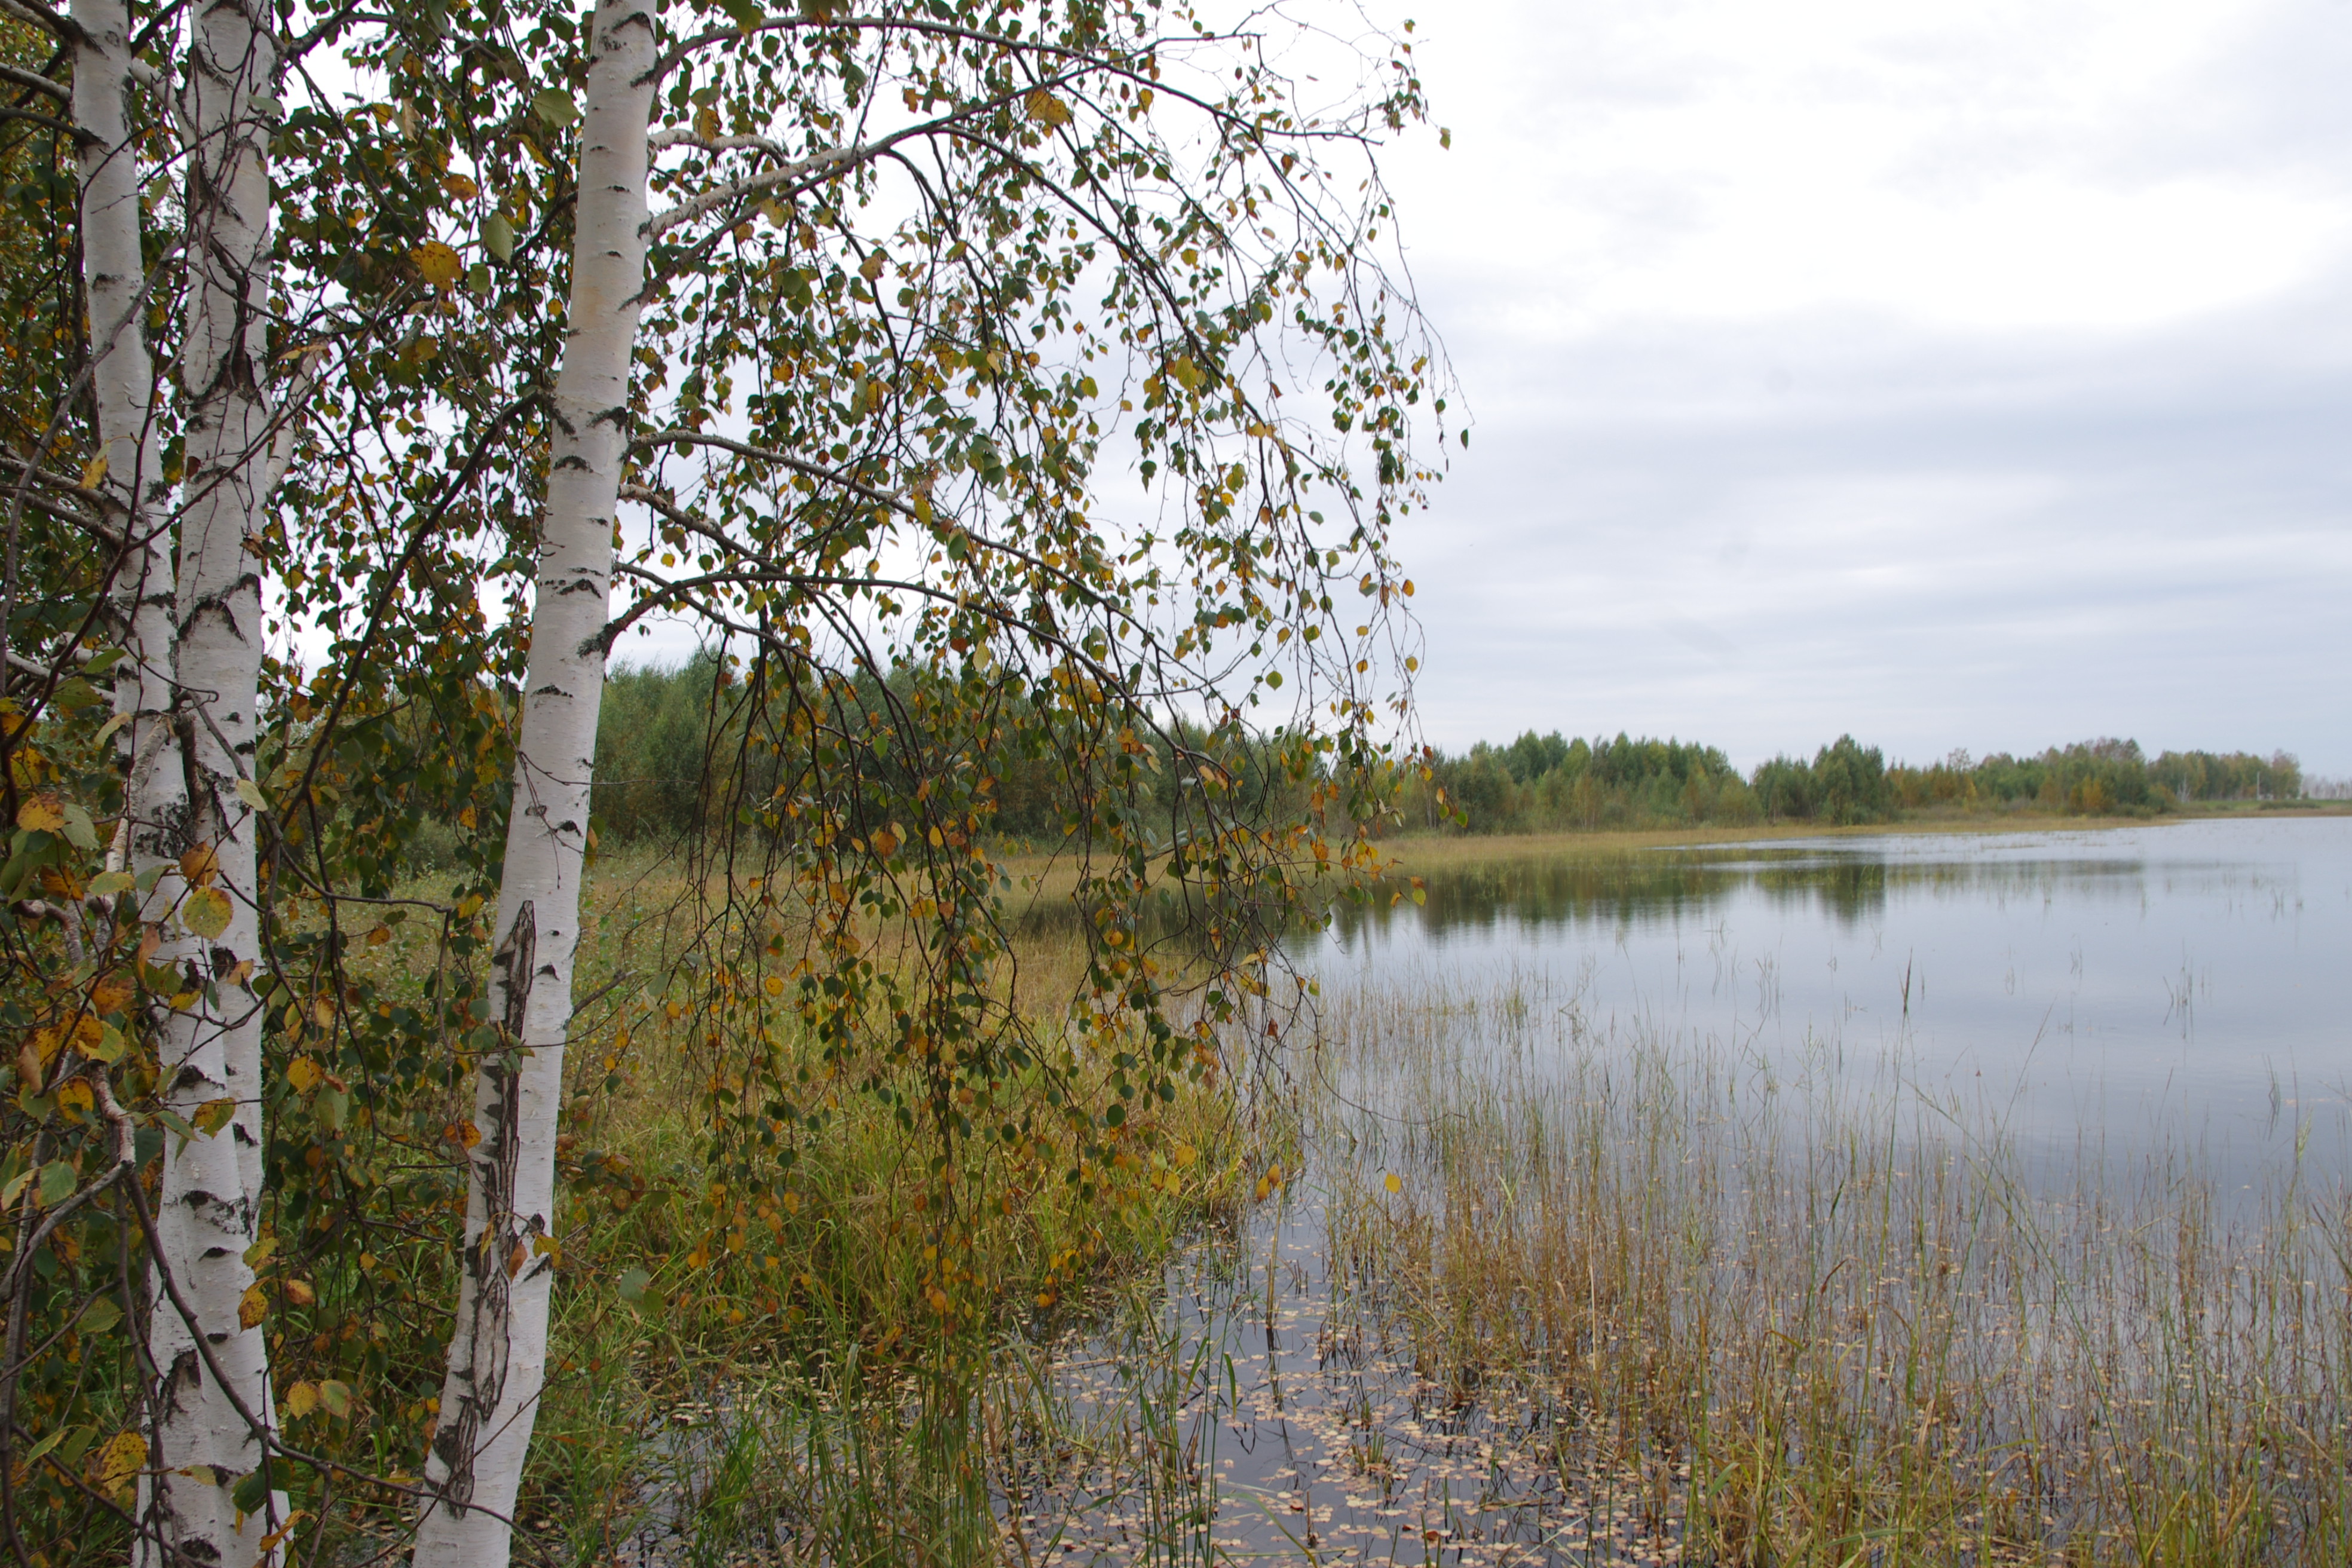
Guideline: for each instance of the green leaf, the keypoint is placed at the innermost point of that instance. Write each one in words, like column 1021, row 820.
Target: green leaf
column 57, row 1183
column 76, row 1445
column 100, row 1316
column 80, row 832
column 251, row 1493
column 110, row 1047
column 554, row 105
column 250, row 792
column 499, row 236
column 206, row 911
column 107, row 884
column 632, row 1286
column 743, row 12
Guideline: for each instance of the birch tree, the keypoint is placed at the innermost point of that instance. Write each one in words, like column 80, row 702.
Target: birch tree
column 854, row 307
column 866, row 506
column 208, row 1345
column 498, row 1355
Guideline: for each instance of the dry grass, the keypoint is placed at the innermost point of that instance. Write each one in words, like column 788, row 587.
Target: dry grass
column 795, row 1361
column 1804, row 1321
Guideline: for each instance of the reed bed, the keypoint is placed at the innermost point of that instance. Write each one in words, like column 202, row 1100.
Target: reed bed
column 1789, row 1312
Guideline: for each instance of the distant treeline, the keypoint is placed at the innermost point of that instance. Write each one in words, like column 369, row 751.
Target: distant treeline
column 670, row 764
column 1550, row 784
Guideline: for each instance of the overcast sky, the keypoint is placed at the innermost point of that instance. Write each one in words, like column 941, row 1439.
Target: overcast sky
column 1954, row 374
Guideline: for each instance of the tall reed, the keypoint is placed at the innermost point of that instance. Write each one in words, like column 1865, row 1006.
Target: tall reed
column 1807, row 1315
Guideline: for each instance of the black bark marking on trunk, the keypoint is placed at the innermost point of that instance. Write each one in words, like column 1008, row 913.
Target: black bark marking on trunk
column 457, row 1442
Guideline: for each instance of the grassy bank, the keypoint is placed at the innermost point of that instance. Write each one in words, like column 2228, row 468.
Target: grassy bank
column 1420, row 853
column 751, row 1348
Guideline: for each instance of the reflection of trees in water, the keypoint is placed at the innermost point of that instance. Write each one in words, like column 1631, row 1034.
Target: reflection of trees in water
column 1623, row 890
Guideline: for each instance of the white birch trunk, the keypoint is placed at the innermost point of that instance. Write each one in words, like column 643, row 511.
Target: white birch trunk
column 123, row 379
column 207, row 1206
column 498, row 1350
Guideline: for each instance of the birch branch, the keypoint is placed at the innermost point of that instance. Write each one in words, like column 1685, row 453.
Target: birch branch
column 37, row 82
column 678, row 136
column 750, row 185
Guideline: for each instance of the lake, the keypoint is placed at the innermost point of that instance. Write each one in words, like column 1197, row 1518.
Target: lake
column 2118, row 978
column 1855, row 1199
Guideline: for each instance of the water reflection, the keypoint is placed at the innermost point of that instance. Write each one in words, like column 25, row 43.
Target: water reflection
column 2196, row 966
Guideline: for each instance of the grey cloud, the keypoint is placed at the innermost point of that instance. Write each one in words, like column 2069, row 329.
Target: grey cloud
column 1928, row 540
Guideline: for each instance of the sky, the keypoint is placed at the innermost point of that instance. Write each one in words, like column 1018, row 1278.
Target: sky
column 1956, row 375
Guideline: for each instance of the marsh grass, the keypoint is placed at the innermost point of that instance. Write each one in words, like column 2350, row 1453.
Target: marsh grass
column 1789, row 1314
column 781, row 1380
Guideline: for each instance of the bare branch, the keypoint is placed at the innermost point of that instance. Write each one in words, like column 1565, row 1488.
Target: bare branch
column 37, row 82
column 750, row 185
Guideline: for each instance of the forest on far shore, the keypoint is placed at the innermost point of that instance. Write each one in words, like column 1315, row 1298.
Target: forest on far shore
column 667, row 764
column 1550, row 784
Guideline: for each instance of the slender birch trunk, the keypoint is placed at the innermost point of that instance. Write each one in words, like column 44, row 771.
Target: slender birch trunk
column 208, row 1206
column 497, row 1351
column 130, row 487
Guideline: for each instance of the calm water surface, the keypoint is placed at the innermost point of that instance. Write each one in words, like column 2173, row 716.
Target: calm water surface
column 2114, row 978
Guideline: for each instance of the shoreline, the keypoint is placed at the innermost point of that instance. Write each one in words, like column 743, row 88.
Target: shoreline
column 1415, row 851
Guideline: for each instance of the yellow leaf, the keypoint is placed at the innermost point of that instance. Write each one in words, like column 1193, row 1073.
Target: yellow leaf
column 271, row 1542
column 301, row 1399
column 252, row 1307
column 42, row 814
column 439, row 263
column 205, row 911
column 302, row 1073
column 379, row 936
column 75, row 1099
column 1395, row 1184
column 118, row 1464
column 200, row 864
column 322, row 1008
column 93, row 473
column 1045, row 108
column 466, row 817
column 299, row 1291
column 212, row 1115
